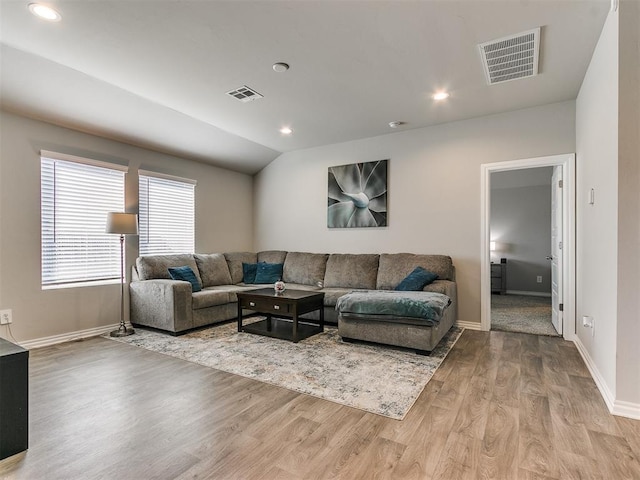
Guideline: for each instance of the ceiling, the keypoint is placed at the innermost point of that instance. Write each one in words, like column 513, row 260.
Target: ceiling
column 156, row 73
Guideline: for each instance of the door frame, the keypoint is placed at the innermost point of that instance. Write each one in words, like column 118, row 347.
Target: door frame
column 556, row 255
column 568, row 162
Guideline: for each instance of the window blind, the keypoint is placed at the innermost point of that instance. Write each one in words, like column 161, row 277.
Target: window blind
column 166, row 215
column 75, row 199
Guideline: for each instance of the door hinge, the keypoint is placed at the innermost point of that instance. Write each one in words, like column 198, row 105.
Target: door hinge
column 559, row 245
column 561, row 307
column 560, row 184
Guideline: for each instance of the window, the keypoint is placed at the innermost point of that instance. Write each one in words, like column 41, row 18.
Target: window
column 76, row 195
column 167, row 214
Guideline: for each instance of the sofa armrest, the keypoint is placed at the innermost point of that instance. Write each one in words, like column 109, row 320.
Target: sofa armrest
column 450, row 289
column 163, row 304
column 134, row 274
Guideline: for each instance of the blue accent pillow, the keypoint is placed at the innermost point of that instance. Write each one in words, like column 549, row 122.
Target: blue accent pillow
column 269, row 272
column 416, row 280
column 186, row 274
column 249, row 272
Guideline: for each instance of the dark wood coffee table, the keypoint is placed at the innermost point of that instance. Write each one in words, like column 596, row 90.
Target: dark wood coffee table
column 282, row 312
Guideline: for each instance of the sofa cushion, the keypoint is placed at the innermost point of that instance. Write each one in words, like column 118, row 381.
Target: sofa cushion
column 230, row 289
column 439, row 286
column 213, row 269
column 235, row 260
column 352, row 270
column 416, row 280
column 268, row 272
column 185, row 274
column 209, row 297
column 302, row 286
column 331, row 295
column 305, row 268
column 396, row 266
column 157, row 266
column 272, row 256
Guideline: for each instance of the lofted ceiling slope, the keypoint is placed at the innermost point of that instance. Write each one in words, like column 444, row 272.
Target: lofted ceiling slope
column 156, row 73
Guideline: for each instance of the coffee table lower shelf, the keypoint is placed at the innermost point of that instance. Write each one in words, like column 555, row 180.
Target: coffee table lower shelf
column 282, row 328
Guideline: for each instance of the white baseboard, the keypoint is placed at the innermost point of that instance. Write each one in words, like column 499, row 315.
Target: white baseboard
column 626, row 409
column 68, row 337
column 606, row 393
column 529, row 294
column 616, row 407
column 469, row 325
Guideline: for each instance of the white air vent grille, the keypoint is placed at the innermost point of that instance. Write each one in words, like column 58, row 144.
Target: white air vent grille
column 512, row 57
column 244, row 94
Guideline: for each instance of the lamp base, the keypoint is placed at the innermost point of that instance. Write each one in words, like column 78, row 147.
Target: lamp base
column 122, row 332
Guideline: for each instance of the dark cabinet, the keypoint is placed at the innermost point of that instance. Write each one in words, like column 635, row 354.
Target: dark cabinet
column 14, row 399
column 499, row 277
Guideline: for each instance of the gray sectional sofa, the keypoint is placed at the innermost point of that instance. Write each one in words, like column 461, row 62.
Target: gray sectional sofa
column 159, row 302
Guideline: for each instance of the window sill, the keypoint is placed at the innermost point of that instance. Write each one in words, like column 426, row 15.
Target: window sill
column 97, row 283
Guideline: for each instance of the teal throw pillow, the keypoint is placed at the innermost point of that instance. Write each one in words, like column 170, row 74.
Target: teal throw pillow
column 269, row 272
column 249, row 272
column 416, row 280
column 186, row 274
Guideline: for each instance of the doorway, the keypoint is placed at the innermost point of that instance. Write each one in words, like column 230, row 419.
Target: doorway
column 559, row 274
column 524, row 286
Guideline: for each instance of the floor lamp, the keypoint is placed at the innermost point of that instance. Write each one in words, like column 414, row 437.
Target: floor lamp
column 123, row 224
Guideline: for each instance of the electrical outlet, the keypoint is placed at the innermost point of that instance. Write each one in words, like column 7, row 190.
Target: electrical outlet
column 589, row 322
column 539, row 279
column 5, row 316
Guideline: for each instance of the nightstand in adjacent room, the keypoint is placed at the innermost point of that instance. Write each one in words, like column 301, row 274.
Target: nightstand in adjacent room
column 499, row 277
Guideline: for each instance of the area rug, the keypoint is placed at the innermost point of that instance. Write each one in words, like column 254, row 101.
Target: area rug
column 522, row 313
column 385, row 381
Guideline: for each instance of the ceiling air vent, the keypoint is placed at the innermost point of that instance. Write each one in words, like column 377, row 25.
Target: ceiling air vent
column 244, row 94
column 512, row 57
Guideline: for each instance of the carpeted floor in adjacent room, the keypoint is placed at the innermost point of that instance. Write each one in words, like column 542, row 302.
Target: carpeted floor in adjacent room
column 522, row 314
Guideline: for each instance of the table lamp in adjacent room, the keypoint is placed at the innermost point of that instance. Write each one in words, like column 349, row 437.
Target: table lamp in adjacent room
column 122, row 224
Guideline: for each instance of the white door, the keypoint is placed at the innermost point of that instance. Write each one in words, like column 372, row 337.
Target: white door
column 556, row 249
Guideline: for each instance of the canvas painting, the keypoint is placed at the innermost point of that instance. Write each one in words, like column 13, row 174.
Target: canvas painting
column 358, row 195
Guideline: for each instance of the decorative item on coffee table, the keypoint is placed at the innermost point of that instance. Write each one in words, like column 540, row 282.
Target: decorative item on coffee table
column 279, row 287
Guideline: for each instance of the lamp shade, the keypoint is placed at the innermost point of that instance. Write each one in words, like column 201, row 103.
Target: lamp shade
column 122, row 223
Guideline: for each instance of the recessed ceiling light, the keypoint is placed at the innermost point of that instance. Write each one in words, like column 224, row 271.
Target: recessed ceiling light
column 280, row 67
column 44, row 12
column 440, row 96
column 395, row 124
column 286, row 131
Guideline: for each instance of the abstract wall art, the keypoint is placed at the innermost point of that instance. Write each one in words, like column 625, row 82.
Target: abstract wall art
column 358, row 195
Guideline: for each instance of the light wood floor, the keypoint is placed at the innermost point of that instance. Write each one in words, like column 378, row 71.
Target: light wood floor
column 501, row 406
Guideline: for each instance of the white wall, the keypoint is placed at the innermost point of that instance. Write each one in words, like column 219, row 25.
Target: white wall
column 521, row 228
column 608, row 237
column 628, row 362
column 597, row 224
column 434, row 189
column 224, row 222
